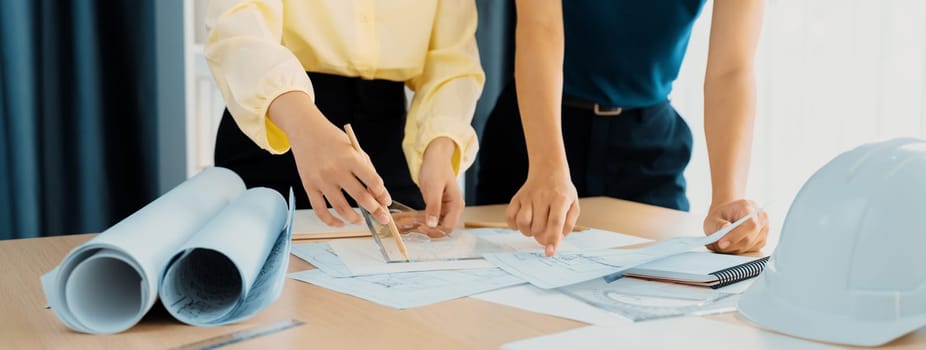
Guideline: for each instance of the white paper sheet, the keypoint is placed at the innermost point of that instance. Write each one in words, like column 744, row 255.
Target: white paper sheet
column 362, row 256
column 412, row 289
column 597, row 239
column 568, row 268
column 590, row 239
column 690, row 333
column 322, row 257
column 551, row 302
column 107, row 284
column 555, row 303
column 307, row 225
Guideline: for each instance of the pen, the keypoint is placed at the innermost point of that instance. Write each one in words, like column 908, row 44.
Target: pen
column 491, row 224
column 392, row 228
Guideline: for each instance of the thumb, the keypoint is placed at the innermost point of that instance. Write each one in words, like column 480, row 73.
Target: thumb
column 723, row 243
column 432, row 200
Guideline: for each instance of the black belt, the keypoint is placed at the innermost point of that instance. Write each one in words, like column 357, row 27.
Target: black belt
column 599, row 110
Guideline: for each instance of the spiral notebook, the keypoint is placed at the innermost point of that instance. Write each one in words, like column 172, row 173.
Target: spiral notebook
column 701, row 269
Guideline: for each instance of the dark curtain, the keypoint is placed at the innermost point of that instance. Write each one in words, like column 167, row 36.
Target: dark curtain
column 77, row 121
column 495, row 37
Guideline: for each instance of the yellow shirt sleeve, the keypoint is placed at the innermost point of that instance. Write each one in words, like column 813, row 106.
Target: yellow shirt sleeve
column 251, row 66
column 447, row 89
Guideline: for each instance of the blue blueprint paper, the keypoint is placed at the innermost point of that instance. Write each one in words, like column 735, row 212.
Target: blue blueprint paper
column 412, row 289
column 570, row 268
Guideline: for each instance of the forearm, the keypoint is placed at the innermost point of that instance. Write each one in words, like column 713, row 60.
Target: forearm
column 546, row 206
column 729, row 118
column 539, row 81
column 298, row 117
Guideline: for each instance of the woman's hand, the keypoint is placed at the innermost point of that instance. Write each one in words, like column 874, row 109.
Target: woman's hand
column 438, row 183
column 748, row 237
column 546, row 208
column 328, row 163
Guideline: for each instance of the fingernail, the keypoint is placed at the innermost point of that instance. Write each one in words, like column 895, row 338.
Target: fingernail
column 432, row 221
column 723, row 244
column 388, row 200
column 383, row 218
column 550, row 250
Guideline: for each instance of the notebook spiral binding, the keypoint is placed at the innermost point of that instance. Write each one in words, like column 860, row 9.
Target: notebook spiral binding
column 739, row 272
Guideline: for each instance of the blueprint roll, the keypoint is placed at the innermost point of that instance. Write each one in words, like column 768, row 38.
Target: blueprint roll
column 234, row 266
column 107, row 284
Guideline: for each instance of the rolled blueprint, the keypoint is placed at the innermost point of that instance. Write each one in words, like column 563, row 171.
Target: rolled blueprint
column 231, row 268
column 109, row 283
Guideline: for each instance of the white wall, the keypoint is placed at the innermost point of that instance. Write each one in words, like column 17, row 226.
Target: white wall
column 205, row 104
column 832, row 74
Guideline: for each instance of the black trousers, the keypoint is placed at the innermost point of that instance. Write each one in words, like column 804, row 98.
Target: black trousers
column 639, row 155
column 374, row 108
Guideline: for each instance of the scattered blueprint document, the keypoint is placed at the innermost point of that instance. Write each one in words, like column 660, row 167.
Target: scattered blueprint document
column 322, row 257
column 363, row 257
column 552, row 302
column 412, row 289
column 568, row 268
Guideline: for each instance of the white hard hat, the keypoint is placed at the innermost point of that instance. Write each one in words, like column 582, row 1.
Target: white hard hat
column 850, row 266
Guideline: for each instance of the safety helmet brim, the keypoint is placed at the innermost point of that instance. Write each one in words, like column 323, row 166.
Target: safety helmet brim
column 770, row 312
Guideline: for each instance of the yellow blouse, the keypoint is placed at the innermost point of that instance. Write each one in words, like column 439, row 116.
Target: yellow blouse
column 260, row 49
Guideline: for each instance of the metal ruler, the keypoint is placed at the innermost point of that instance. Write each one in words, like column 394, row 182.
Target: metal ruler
column 240, row 336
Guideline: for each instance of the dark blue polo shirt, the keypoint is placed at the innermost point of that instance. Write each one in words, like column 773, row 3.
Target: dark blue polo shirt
column 625, row 53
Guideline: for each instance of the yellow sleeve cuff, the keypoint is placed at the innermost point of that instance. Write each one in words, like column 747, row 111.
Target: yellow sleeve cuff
column 275, row 140
column 251, row 114
column 457, row 130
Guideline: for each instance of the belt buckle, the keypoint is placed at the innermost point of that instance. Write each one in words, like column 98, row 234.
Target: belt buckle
column 607, row 112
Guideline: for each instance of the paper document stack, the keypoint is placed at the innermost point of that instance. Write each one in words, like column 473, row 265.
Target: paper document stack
column 356, row 266
column 584, row 272
column 214, row 252
column 593, row 277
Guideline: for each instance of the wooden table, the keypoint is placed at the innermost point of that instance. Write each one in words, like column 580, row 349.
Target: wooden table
column 332, row 320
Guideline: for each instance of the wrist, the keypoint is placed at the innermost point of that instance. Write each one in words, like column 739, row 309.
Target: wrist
column 721, row 198
column 552, row 163
column 299, row 118
column 443, row 147
column 549, row 172
column 287, row 110
column 726, row 187
column 440, row 150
